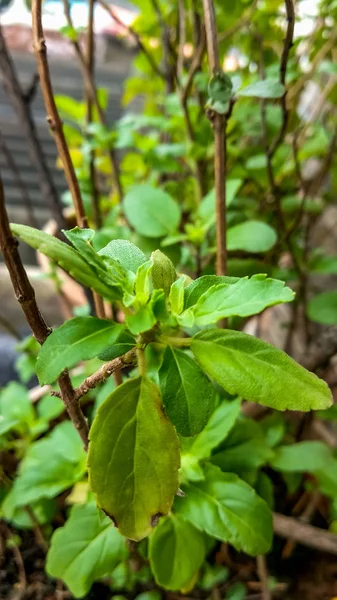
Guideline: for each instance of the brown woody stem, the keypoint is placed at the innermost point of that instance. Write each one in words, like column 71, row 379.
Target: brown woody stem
column 53, row 116
column 25, row 295
column 219, row 126
column 103, row 373
column 92, row 91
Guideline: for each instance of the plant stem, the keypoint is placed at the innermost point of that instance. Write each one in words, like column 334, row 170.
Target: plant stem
column 92, row 91
column 134, row 35
column 141, row 362
column 220, row 153
column 90, row 59
column 53, row 116
column 288, row 42
column 102, row 374
column 25, row 295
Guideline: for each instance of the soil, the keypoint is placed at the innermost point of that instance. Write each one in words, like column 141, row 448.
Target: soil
column 306, row 575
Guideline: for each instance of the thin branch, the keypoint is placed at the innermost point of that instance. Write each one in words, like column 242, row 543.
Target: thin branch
column 21, row 103
column 195, row 65
column 53, row 116
column 262, row 572
column 37, row 529
column 220, row 146
column 135, row 37
column 18, row 561
column 168, row 50
column 305, row 517
column 25, row 295
column 323, row 51
column 18, row 180
column 92, row 91
column 307, row 535
column 288, row 42
column 90, row 60
column 103, row 373
column 182, row 38
column 325, row 167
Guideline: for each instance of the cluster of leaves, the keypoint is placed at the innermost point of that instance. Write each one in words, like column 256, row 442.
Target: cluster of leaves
column 172, row 460
column 168, row 427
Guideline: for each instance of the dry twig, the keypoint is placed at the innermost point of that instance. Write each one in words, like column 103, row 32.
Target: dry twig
column 220, row 158
column 92, row 91
column 25, row 295
column 53, row 116
column 103, row 373
column 307, row 535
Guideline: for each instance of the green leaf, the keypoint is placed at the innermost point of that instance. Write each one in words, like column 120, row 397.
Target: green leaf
column 124, row 342
column 251, row 236
column 266, row 88
column 70, row 108
column 244, row 449
column 237, row 591
column 186, row 391
column 206, row 210
column 112, row 273
column 84, row 549
column 301, row 457
column 163, row 273
column 220, row 91
column 327, row 66
column 327, row 479
column 326, row 265
column 78, row 339
column 133, row 458
column 176, row 295
column 243, row 298
column 177, row 551
column 213, row 576
column 16, row 410
column 217, row 428
column 152, row 212
column 25, row 367
column 274, row 428
column 50, row 466
column 323, row 308
column 66, row 257
column 227, row 508
column 50, row 407
column 220, row 87
column 43, row 511
column 126, row 253
column 143, row 320
column 248, row 367
column 197, row 288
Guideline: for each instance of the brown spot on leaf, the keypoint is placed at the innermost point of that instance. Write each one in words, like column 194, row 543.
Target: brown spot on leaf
column 155, row 519
column 110, row 517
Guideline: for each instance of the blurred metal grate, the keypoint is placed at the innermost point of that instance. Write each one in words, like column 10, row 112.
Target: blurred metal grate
column 66, row 80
